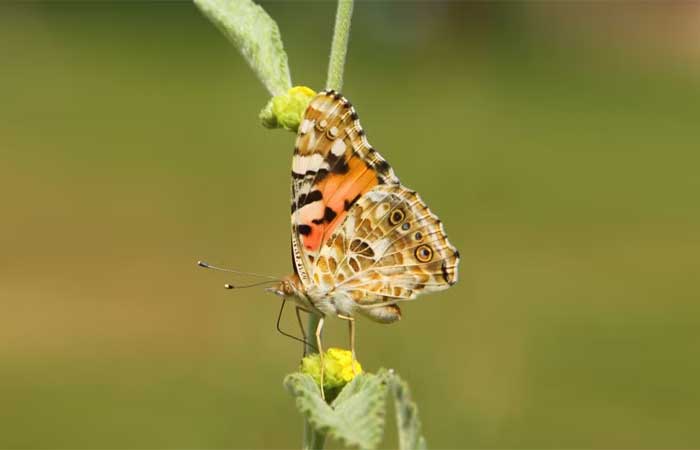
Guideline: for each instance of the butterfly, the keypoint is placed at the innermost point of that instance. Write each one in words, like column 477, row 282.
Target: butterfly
column 361, row 241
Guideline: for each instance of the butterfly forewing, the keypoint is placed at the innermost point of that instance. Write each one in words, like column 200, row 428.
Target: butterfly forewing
column 332, row 168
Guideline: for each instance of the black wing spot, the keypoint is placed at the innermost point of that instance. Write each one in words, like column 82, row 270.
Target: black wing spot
column 304, row 229
column 337, row 95
column 338, row 164
column 348, row 204
column 456, row 253
column 382, row 166
column 445, row 275
column 444, row 271
column 341, row 167
column 320, row 175
column 294, row 262
column 313, row 196
column 353, row 116
column 328, row 216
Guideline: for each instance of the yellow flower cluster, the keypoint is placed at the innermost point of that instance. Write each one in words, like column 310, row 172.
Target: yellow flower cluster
column 339, row 369
column 286, row 110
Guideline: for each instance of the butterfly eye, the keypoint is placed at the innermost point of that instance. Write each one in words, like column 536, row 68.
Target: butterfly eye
column 424, row 253
column 396, row 217
column 405, row 226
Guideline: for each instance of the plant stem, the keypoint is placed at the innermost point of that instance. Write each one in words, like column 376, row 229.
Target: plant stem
column 313, row 440
column 311, row 334
column 339, row 47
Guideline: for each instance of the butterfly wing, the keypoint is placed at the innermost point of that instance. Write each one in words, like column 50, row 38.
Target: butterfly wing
column 332, row 168
column 390, row 248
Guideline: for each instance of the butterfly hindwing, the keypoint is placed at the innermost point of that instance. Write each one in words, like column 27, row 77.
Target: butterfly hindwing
column 390, row 248
column 332, row 168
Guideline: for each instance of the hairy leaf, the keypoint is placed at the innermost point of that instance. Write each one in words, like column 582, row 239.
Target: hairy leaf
column 410, row 437
column 355, row 417
column 256, row 36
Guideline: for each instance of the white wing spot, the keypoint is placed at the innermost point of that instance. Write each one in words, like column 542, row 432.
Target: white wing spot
column 381, row 210
column 338, row 147
column 302, row 163
column 306, row 126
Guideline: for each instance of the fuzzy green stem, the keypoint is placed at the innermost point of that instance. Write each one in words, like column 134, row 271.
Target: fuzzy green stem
column 313, row 440
column 339, row 47
column 310, row 337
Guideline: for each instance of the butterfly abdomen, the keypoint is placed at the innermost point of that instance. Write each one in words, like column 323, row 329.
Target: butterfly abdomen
column 383, row 314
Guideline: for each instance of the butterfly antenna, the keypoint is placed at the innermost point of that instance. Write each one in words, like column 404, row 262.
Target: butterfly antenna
column 238, row 272
column 279, row 318
column 238, row 286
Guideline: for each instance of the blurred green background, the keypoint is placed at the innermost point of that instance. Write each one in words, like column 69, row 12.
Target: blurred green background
column 559, row 143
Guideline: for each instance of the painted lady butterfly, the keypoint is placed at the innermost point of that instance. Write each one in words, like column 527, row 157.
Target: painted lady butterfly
column 361, row 241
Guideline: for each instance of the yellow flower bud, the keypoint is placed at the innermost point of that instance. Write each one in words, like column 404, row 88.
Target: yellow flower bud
column 339, row 369
column 286, row 110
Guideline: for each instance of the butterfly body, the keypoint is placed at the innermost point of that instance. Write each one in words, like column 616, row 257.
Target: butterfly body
column 361, row 241
column 332, row 303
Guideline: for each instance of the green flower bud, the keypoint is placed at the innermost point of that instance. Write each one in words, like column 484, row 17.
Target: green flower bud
column 286, row 110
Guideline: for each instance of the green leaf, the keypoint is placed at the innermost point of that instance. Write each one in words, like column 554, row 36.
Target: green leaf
column 407, row 420
column 355, row 417
column 256, row 36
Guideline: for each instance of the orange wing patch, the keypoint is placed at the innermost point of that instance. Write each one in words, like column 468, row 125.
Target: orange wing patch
column 342, row 191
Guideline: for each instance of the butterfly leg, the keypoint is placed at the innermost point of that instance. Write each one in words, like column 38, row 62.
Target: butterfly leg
column 301, row 326
column 351, row 327
column 319, row 329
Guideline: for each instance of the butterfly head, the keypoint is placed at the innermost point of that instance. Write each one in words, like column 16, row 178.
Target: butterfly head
column 288, row 287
